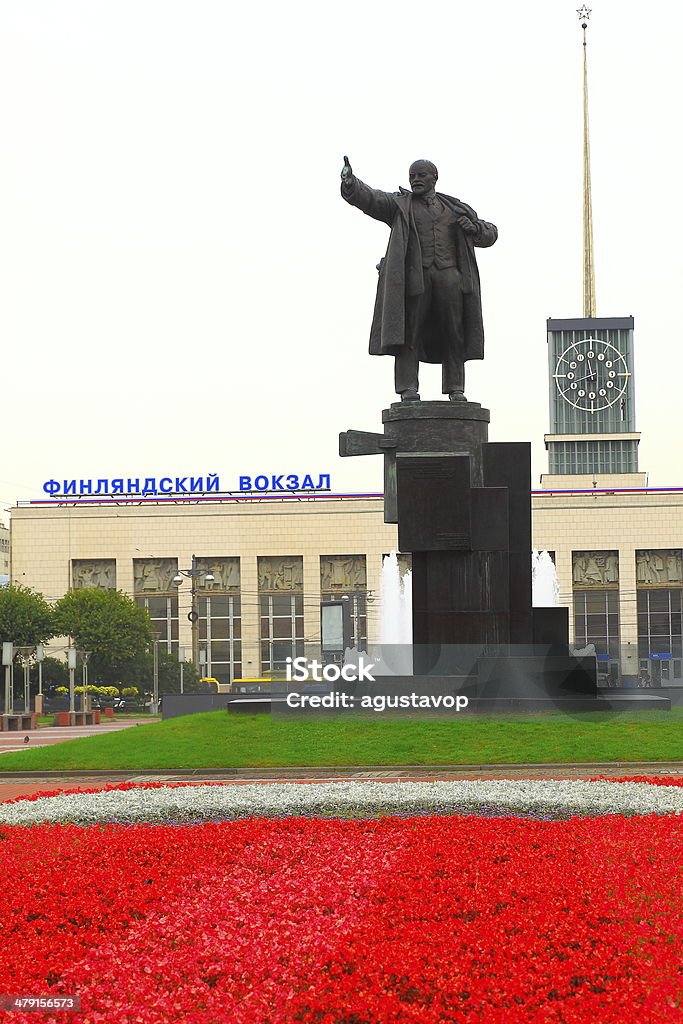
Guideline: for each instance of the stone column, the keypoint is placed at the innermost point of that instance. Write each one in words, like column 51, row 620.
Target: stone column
column 628, row 613
column 312, row 604
column 251, row 650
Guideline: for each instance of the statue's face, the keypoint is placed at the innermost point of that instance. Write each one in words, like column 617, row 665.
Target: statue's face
column 421, row 177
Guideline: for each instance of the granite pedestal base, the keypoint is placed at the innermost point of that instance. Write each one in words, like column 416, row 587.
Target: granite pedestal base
column 463, row 509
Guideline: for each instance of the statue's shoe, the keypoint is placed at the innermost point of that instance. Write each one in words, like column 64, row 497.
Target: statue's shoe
column 410, row 396
column 457, row 396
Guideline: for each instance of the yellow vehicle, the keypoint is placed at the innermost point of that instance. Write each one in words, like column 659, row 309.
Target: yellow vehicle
column 275, row 683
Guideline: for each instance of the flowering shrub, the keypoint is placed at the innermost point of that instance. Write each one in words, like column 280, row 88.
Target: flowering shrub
column 391, row 920
column 96, row 691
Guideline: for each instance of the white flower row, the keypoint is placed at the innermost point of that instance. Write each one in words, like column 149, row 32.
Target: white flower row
column 356, row 799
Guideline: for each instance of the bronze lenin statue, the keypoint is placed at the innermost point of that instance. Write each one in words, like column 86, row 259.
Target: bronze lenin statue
column 428, row 306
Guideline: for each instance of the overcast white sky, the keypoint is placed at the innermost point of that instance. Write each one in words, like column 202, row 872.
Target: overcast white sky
column 183, row 289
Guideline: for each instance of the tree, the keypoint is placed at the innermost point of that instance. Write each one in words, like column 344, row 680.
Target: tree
column 108, row 623
column 55, row 673
column 25, row 616
column 169, row 674
column 141, row 674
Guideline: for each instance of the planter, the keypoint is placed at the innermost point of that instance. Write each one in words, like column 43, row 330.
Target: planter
column 96, row 712
column 108, row 713
column 63, row 718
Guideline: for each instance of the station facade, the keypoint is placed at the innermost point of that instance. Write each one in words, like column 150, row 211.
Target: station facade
column 262, row 568
column 237, row 580
column 256, row 568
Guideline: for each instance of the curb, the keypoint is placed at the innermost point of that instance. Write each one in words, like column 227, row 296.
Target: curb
column 632, row 766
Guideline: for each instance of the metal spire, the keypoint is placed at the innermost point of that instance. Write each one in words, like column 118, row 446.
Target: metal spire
column 588, row 264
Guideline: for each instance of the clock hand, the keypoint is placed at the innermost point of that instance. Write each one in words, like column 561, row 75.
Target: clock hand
column 587, row 377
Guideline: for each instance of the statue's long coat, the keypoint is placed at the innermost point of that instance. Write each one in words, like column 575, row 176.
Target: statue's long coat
column 401, row 273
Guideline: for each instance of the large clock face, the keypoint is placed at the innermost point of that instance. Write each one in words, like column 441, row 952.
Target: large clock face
column 591, row 375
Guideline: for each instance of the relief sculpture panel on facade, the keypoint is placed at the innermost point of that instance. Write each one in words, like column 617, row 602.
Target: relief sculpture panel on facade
column 283, row 573
column 342, row 573
column 225, row 572
column 661, row 567
column 99, row 573
column 595, row 569
column 154, row 575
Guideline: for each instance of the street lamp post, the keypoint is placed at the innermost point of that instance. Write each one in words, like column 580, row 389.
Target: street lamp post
column 181, row 659
column 27, row 683
column 194, row 573
column 71, row 662
column 155, row 695
column 85, row 703
column 24, row 656
column 40, row 658
column 8, row 660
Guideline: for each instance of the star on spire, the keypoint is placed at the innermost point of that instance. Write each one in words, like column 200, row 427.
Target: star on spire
column 584, row 14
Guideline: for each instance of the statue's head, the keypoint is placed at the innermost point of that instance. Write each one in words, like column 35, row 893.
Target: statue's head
column 423, row 176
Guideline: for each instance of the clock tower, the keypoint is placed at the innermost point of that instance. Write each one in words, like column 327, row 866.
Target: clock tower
column 592, row 441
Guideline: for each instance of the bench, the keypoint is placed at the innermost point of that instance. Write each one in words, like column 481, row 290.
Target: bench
column 18, row 723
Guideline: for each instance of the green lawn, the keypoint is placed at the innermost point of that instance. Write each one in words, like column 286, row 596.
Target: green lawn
column 219, row 740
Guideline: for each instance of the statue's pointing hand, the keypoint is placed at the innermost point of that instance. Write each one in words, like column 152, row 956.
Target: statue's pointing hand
column 467, row 225
column 347, row 172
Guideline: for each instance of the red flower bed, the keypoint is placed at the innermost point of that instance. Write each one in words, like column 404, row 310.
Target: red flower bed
column 423, row 920
column 654, row 780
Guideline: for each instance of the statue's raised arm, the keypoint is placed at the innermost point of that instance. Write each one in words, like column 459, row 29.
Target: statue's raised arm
column 373, row 202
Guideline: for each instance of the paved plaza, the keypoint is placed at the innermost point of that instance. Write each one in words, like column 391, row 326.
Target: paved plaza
column 47, row 735
column 17, row 784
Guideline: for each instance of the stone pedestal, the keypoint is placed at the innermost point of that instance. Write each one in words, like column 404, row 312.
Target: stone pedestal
column 424, row 428
column 463, row 509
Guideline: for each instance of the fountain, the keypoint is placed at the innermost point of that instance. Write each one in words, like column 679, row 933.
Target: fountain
column 396, row 625
column 545, row 588
column 393, row 655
